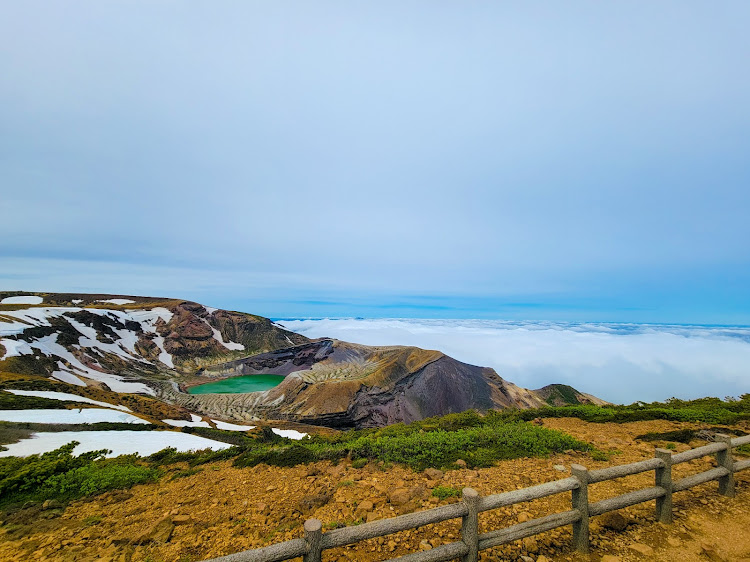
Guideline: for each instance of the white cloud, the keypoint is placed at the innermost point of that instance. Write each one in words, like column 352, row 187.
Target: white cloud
column 618, row 362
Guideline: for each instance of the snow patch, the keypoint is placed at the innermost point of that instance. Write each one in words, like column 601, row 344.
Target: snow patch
column 83, row 415
column 196, row 421
column 77, row 301
column 66, row 396
column 65, row 376
column 289, row 433
column 124, row 442
column 30, row 299
column 118, row 302
column 231, row 426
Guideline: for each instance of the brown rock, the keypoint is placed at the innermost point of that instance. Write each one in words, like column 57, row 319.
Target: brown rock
column 542, row 558
column 524, row 516
column 610, row 558
column 161, row 532
column 614, row 520
column 642, row 549
column 311, row 502
column 460, row 463
column 433, row 474
column 425, row 545
column 181, row 519
column 399, row 496
column 365, row 507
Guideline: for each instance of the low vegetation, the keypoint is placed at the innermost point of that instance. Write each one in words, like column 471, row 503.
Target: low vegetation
column 478, row 440
column 61, row 475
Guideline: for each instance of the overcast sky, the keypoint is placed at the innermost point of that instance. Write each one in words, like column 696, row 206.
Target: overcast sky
column 540, row 160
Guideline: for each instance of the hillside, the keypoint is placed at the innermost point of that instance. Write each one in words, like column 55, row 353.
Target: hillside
column 162, row 347
column 195, row 512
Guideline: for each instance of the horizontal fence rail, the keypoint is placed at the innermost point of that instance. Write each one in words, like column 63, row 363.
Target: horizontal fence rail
column 311, row 547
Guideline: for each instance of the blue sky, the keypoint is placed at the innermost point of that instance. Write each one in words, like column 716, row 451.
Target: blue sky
column 539, row 160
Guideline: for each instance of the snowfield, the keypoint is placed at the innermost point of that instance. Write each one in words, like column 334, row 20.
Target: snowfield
column 118, row 302
column 83, row 415
column 289, row 433
column 197, row 421
column 124, row 442
column 14, row 322
column 66, row 396
column 231, row 426
column 29, row 299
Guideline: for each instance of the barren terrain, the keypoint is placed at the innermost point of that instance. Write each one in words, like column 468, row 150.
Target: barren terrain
column 220, row 509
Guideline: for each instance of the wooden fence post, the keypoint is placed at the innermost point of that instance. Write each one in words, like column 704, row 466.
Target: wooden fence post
column 313, row 538
column 664, row 481
column 726, row 460
column 581, row 504
column 470, row 525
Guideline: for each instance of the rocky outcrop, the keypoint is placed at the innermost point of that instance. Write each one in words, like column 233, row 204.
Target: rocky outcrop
column 340, row 384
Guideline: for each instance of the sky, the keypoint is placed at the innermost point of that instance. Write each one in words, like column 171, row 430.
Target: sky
column 577, row 161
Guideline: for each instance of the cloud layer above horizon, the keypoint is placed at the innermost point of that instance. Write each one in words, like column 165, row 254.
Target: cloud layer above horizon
column 519, row 159
column 620, row 363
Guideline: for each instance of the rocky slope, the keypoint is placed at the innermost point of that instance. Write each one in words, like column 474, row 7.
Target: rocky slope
column 341, row 384
column 163, row 346
column 220, row 510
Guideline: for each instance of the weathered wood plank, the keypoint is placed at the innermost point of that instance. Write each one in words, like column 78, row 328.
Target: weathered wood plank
column 442, row 553
column 697, row 453
column 737, row 441
column 528, row 494
column 625, row 500
column 273, row 553
column 528, row 528
column 613, row 472
column 350, row 535
column 700, row 478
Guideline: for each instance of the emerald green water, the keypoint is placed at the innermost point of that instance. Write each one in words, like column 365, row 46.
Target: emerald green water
column 243, row 383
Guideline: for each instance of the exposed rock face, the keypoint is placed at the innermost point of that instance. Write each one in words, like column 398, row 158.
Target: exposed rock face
column 80, row 338
column 339, row 384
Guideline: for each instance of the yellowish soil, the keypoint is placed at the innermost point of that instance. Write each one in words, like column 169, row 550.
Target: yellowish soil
column 222, row 509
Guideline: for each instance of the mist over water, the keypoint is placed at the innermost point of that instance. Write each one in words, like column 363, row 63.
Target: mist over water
column 621, row 363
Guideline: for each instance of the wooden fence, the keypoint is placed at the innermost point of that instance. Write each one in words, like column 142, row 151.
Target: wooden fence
column 311, row 547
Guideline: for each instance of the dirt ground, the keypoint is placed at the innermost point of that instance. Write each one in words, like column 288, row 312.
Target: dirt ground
column 220, row 510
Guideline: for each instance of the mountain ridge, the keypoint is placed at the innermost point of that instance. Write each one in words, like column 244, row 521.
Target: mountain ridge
column 163, row 346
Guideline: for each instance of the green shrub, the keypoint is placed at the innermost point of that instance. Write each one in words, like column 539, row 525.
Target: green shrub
column 443, row 492
column 360, row 463
column 97, row 478
column 59, row 474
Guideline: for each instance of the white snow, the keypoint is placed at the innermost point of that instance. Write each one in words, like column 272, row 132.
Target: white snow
column 164, row 357
column 124, row 347
column 15, row 348
column 66, row 396
column 197, row 421
column 83, row 415
column 229, row 345
column 143, row 443
column 118, row 302
column 77, row 301
column 289, row 433
column 210, row 309
column 30, row 299
column 65, row 376
column 231, row 426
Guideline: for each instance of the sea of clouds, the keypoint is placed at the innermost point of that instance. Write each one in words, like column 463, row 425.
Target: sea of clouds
column 621, row 363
